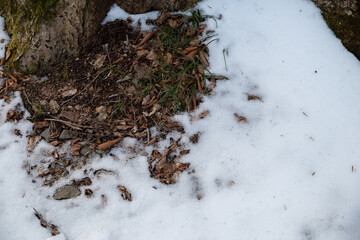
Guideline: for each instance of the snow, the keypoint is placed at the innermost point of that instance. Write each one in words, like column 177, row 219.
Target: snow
column 117, row 13
column 4, row 38
column 285, row 174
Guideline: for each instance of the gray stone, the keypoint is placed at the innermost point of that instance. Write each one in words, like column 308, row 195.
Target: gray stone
column 66, row 192
column 66, row 135
column 46, row 133
column 85, row 151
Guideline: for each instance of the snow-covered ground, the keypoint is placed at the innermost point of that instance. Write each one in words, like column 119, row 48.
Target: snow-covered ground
column 291, row 172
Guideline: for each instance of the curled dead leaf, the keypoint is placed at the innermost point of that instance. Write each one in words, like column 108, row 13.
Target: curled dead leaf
column 109, row 144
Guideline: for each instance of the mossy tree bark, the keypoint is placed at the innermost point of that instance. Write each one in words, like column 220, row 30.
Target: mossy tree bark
column 46, row 32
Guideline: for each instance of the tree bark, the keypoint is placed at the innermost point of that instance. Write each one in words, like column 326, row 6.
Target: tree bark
column 46, row 32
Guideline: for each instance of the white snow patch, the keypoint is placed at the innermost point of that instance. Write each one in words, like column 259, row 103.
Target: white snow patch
column 4, row 38
column 118, row 13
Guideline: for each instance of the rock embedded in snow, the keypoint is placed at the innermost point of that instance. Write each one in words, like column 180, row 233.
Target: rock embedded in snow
column 46, row 133
column 66, row 192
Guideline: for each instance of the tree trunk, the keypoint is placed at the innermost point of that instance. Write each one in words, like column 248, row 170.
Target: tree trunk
column 46, row 32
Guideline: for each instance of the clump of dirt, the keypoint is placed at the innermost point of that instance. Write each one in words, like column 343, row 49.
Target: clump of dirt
column 128, row 82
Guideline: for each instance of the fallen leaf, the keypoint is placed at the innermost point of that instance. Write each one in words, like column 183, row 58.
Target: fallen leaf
column 151, row 141
column 240, row 118
column 109, row 144
column 146, row 38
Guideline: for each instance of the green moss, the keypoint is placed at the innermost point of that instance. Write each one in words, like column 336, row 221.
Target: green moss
column 23, row 19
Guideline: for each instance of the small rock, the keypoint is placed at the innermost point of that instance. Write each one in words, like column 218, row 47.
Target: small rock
column 85, row 151
column 54, row 107
column 66, row 135
column 69, row 93
column 46, row 133
column 66, row 192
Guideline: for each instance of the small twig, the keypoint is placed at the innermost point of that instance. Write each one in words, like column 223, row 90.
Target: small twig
column 45, row 224
column 69, row 124
column 148, row 134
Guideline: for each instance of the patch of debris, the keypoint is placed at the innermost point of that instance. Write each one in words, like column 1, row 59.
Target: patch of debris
column 129, row 82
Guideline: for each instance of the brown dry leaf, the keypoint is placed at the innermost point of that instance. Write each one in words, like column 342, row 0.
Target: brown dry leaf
column 120, row 59
column 173, row 23
column 254, row 97
column 155, row 108
column 75, row 147
column 2, row 61
column 142, row 52
column 7, row 55
column 204, row 114
column 151, row 141
column 152, row 55
column 195, row 42
column 54, row 143
column 146, row 38
column 203, row 58
column 192, row 55
column 123, row 128
column 201, row 69
column 189, row 49
column 124, row 193
column 99, row 61
column 40, row 125
column 199, row 85
column 240, row 118
column 109, row 144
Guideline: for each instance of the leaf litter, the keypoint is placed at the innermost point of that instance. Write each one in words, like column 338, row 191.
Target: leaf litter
column 130, row 82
